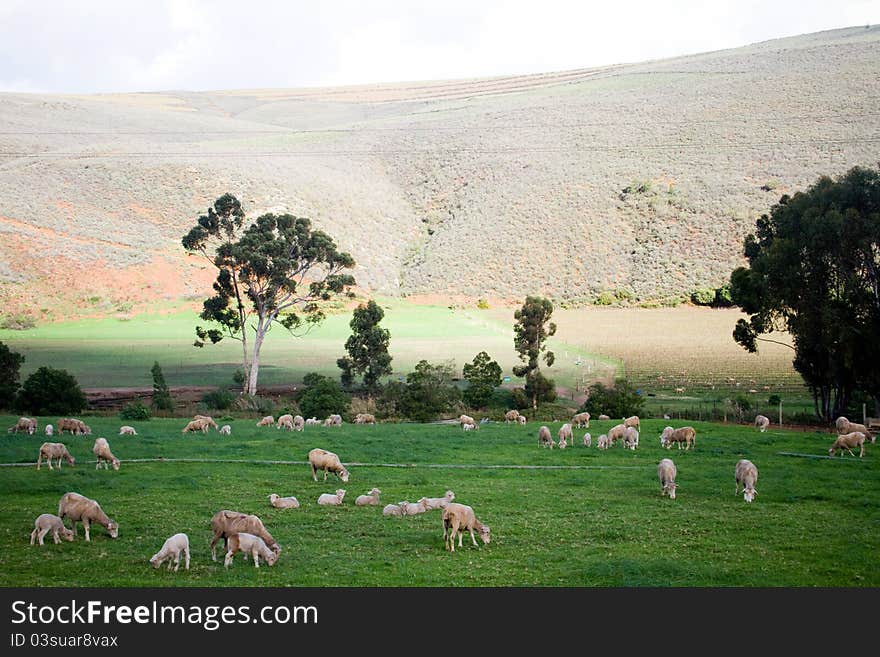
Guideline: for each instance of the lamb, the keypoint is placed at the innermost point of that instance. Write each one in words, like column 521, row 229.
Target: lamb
column 522, row 420
column 170, row 552
column 762, row 422
column 321, row 459
column 226, row 524
column 370, row 499
column 49, row 429
column 457, row 518
column 127, row 431
column 313, row 421
column 285, row 421
column 250, row 544
column 588, row 440
column 51, row 451
column 207, row 419
column 392, row 510
column 511, row 416
column 101, row 449
column 415, row 508
column 616, row 433
column 565, row 435
column 633, row 421
column 687, row 435
column 48, row 522
column 439, row 502
column 468, row 427
column 581, row 420
column 630, row 438
column 466, row 419
column 604, row 417
column 333, row 421
column 196, row 425
column 849, row 440
column 25, row 425
column 845, row 426
column 283, row 502
column 544, row 437
column 298, row 423
column 82, row 509
column 666, row 471
column 266, row 421
column 225, row 430
column 365, row 418
column 603, row 442
column 746, row 474
column 332, row 499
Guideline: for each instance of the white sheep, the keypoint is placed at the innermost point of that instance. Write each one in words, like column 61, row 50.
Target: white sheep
column 101, row 450
column 762, row 422
column 845, row 426
column 313, row 421
column 250, row 544
column 82, row 509
column 51, row 451
column 285, row 421
column 332, row 499
column 469, row 426
column 392, row 510
column 283, row 502
column 266, row 421
column 604, row 417
column 466, row 419
column 370, row 499
column 170, row 552
column 562, row 443
column 460, row 517
column 687, row 435
column 226, row 523
column 746, row 474
column 439, row 502
column 522, row 420
column 333, row 420
column 603, row 442
column 667, row 472
column 544, row 437
column 49, row 429
column 298, row 423
column 127, row 431
column 321, row 459
column 511, row 416
column 630, row 438
column 588, row 440
column 581, row 420
column 633, row 421
column 49, row 522
column 415, row 508
column 226, row 430
column 616, row 433
column 847, row 441
column 565, row 435
column 25, row 424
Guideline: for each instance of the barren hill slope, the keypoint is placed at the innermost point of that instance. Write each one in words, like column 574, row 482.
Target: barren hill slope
column 639, row 179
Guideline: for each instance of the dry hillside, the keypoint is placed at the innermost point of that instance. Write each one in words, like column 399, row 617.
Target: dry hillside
column 638, row 179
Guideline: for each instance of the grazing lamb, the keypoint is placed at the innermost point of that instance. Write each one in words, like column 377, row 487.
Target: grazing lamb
column 439, row 502
column 685, row 435
column 127, row 431
column 82, row 509
column 457, row 518
column 511, row 416
column 170, row 552
column 581, row 420
column 666, row 471
column 565, row 435
column 298, row 423
column 616, row 433
column 630, row 438
column 333, row 421
column 51, row 451
column 24, row 425
column 588, row 440
column 207, row 419
column 225, row 430
column 746, row 474
column 226, row 524
column 762, row 422
column 370, row 499
column 466, row 419
column 101, row 449
column 522, row 420
column 544, row 437
column 312, row 421
column 266, row 421
column 196, row 425
column 633, row 421
column 252, row 545
column 332, row 499
column 49, row 429
column 845, row 426
column 283, row 502
column 469, row 426
column 392, row 510
column 415, row 508
column 49, row 522
column 365, row 418
column 321, row 459
column 604, row 417
column 285, row 421
column 849, row 440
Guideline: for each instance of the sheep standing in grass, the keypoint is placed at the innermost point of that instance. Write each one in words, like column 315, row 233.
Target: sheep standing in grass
column 285, row 421
column 460, row 517
column 49, row 522
column 127, row 431
column 207, row 419
column 544, row 437
column 468, row 427
column 267, row 421
column 667, row 472
column 51, row 451
column 49, row 429
column 762, row 422
column 581, row 420
column 616, row 433
column 466, row 419
column 283, row 502
column 313, row 421
column 633, row 421
column 82, row 509
column 24, row 425
column 195, row 425
column 250, row 544
column 170, row 552
column 746, row 474
column 630, row 438
column 687, row 435
column 439, row 502
column 333, row 420
column 225, row 430
column 298, row 423
column 603, row 442
column 226, row 523
column 588, row 440
column 332, row 499
column 370, row 499
column 847, row 441
column 511, row 416
column 565, row 434
column 365, row 418
column 321, row 459
column 522, row 420
column 845, row 426
column 604, row 417
column 101, row 450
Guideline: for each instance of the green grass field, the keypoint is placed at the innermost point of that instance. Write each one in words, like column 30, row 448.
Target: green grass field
column 816, row 521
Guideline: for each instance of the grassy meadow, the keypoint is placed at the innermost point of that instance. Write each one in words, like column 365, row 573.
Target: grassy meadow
column 600, row 521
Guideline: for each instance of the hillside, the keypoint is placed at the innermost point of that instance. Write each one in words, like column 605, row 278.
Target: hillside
column 640, row 179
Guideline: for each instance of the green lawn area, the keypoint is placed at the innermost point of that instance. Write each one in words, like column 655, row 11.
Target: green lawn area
column 816, row 521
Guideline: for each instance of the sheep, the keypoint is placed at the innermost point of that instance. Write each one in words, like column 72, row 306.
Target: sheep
column 25, row 425
column 604, row 417
column 332, row 499
column 468, row 427
column 82, row 509
column 250, row 544
column 266, row 421
column 440, row 502
column 581, row 420
column 511, row 416
column 616, row 433
column 633, row 421
column 565, row 435
column 544, row 437
column 687, row 435
column 170, row 552
column 365, row 418
column 283, row 502
column 845, row 426
column 127, row 431
column 321, row 459
column 370, row 499
column 298, row 423
column 196, row 425
column 415, row 508
column 603, row 442
column 466, row 419
column 680, row 391
column 51, row 451
column 207, row 419
column 666, row 472
column 392, row 510
column 849, row 440
column 630, row 438
column 522, row 420
column 74, row 426
column 313, row 421
column 333, row 421
column 588, row 440
column 762, row 422
column 285, row 421
column 225, row 430
column 101, row 449
column 562, row 443
column 457, row 518
column 49, row 429
column 226, row 524
column 746, row 474
column 49, row 522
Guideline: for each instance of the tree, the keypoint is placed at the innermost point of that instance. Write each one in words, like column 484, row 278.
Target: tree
column 530, row 336
column 367, row 348
column 814, row 271
column 323, row 397
column 161, row 395
column 10, row 366
column 276, row 270
column 429, row 392
column 483, row 375
column 51, row 392
column 620, row 400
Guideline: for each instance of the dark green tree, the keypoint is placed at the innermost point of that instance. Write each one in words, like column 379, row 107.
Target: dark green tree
column 161, row 394
column 618, row 401
column 10, row 366
column 814, row 271
column 367, row 348
column 483, row 375
column 274, row 270
column 530, row 333
column 51, row 392
column 322, row 397
column 429, row 392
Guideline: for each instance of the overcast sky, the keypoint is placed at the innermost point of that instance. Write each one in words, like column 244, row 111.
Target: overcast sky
column 85, row 46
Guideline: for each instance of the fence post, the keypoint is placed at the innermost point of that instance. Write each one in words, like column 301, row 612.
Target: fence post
column 780, row 412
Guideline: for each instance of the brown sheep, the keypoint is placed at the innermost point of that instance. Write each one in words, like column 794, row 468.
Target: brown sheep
column 49, row 522
column 226, row 523
column 25, row 424
column 687, row 435
column 849, row 440
column 196, row 425
column 101, row 450
column 456, row 519
column 51, row 451
column 253, row 545
column 82, row 509
column 321, row 459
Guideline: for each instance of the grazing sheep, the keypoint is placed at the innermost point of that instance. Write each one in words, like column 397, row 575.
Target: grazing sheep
column 511, row 416
column 439, row 502
column 250, row 544
column 746, row 474
column 762, row 422
column 565, row 434
column 49, row 522
column 845, row 426
column 49, row 429
column 283, row 502
column 207, row 419
column 24, row 425
column 469, row 426
column 101, row 450
column 849, row 440
column 522, row 420
column 687, row 435
column 72, row 425
column 298, row 423
column 321, row 459
column 127, row 431
column 332, row 499
column 604, row 417
column 603, row 442
column 457, row 518
column 588, row 440
column 466, row 419
column 415, row 508
column 226, row 524
column 630, row 438
column 82, row 509
column 266, row 421
column 170, row 552
column 196, row 425
column 633, row 421
column 544, row 437
column 392, row 510
column 285, row 421
column 616, row 432
column 666, row 471
column 370, row 499
column 313, row 421
column 333, row 421
column 581, row 420
column 51, row 451
column 562, row 443
column 365, row 418
column 680, row 391
column 225, row 430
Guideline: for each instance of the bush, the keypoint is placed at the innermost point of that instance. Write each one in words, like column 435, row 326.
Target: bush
column 774, row 400
column 134, row 411
column 429, row 392
column 605, row 298
column 18, row 322
column 218, row 399
column 538, row 385
column 704, row 297
column 520, row 399
column 51, row 392
column 323, row 397
column 482, row 304
column 255, row 404
column 619, row 401
column 10, row 364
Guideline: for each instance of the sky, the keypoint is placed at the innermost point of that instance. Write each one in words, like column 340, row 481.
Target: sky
column 100, row 46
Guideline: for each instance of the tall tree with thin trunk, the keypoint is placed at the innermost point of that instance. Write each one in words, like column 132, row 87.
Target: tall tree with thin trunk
column 275, row 270
column 367, row 348
column 531, row 330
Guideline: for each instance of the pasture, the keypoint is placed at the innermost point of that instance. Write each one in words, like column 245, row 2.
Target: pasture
column 598, row 520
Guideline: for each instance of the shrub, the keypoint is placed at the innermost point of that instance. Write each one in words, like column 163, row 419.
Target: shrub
column 51, row 392
column 18, row 322
column 620, row 400
column 134, row 411
column 482, row 304
column 774, row 400
column 255, row 404
column 704, row 297
column 483, row 375
column 323, row 397
column 218, row 399
column 520, row 399
column 429, row 392
column 605, row 298
column 161, row 395
column 10, row 364
column 539, row 386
